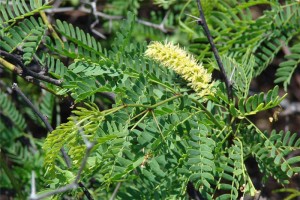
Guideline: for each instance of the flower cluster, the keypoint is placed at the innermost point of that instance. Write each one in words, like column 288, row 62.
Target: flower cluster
column 182, row 63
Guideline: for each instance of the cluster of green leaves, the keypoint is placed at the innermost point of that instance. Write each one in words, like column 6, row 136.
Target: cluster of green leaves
column 156, row 135
column 13, row 148
column 28, row 35
column 235, row 32
column 20, row 152
column 286, row 69
column 20, row 10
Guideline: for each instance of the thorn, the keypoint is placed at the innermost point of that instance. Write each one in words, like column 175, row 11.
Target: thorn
column 193, row 16
column 200, row 22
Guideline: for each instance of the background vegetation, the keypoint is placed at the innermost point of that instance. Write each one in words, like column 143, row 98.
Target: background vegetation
column 84, row 114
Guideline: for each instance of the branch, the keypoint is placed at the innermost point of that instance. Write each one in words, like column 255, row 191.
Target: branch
column 73, row 185
column 19, row 71
column 85, row 191
column 286, row 50
column 50, row 27
column 24, row 71
column 10, row 66
column 202, row 22
column 114, row 194
column 35, row 109
column 159, row 26
column 43, row 78
column 42, row 117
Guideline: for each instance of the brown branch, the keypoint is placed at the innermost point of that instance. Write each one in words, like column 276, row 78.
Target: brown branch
column 42, row 77
column 17, row 70
column 286, row 50
column 35, row 109
column 202, row 22
column 24, row 71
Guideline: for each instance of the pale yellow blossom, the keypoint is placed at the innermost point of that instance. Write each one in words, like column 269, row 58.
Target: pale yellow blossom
column 184, row 64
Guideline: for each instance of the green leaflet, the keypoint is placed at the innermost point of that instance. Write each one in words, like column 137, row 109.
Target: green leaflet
column 28, row 35
column 9, row 110
column 20, row 10
column 240, row 74
column 286, row 69
column 256, row 103
column 274, row 163
column 87, row 122
column 201, row 157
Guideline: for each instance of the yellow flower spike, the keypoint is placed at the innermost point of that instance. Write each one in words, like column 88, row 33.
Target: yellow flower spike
column 182, row 63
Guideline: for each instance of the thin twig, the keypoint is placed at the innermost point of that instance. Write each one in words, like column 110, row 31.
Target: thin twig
column 203, row 23
column 43, row 78
column 89, row 145
column 42, row 117
column 92, row 26
column 38, row 83
column 50, row 27
column 85, row 191
column 286, row 50
column 114, row 194
column 57, row 191
column 33, row 185
column 19, row 71
column 159, row 26
column 36, row 111
column 10, row 66
column 12, row 58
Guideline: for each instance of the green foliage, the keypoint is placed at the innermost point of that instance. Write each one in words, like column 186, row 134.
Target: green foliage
column 9, row 110
column 256, row 103
column 119, row 7
column 55, row 67
column 293, row 193
column 286, row 69
column 164, row 3
column 47, row 105
column 273, row 162
column 200, row 157
column 155, row 135
column 19, row 10
column 67, row 133
column 8, row 134
column 240, row 74
column 27, row 35
column 87, row 45
column 235, row 35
